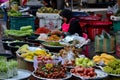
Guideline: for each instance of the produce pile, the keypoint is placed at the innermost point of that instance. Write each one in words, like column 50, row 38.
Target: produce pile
column 85, row 62
column 68, row 54
column 103, row 58
column 53, row 44
column 47, row 10
column 24, row 31
column 42, row 30
column 28, row 54
column 53, row 38
column 7, row 68
column 84, row 72
column 113, row 67
column 50, row 70
column 49, row 38
column 14, row 13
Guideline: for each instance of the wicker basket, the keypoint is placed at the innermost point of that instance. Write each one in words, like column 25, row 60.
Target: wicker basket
column 22, row 64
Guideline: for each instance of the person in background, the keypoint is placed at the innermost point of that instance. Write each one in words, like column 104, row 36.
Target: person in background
column 84, row 3
column 4, row 3
column 54, row 4
column 24, row 2
column 47, row 3
column 70, row 24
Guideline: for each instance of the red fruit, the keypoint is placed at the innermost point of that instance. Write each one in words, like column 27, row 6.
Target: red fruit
column 92, row 69
column 92, row 74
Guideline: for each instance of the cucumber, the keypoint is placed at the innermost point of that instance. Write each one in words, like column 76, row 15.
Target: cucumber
column 24, row 28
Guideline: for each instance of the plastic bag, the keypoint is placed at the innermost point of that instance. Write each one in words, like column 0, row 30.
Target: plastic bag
column 104, row 43
column 75, row 40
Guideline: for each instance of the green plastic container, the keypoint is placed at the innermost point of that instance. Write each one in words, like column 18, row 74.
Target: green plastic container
column 116, row 26
column 17, row 22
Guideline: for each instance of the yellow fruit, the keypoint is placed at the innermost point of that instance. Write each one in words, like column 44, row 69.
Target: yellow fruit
column 97, row 60
column 106, row 61
column 110, row 57
column 24, row 55
column 29, row 57
column 103, row 54
column 96, row 57
column 40, row 52
column 48, row 55
column 49, row 65
column 30, row 54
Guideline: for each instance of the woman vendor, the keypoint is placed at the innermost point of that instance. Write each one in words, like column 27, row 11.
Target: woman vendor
column 71, row 25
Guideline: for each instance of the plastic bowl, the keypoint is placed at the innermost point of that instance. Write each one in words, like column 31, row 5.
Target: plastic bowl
column 5, row 42
column 52, row 48
column 14, row 46
column 32, row 39
column 8, row 56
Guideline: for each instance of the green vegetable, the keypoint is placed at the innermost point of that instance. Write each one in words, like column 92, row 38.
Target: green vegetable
column 3, row 66
column 113, row 67
column 14, row 13
column 24, row 28
column 2, row 58
column 18, row 33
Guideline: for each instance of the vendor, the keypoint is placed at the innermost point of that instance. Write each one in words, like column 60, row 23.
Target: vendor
column 2, row 1
column 70, row 24
column 47, row 3
column 54, row 4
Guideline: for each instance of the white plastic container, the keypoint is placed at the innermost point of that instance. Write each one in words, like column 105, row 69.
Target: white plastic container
column 115, row 18
column 49, row 20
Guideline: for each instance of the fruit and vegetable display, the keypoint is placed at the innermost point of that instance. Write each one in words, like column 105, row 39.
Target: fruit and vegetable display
column 28, row 54
column 50, row 38
column 14, row 13
column 47, row 10
column 113, row 67
column 53, row 38
column 50, row 70
column 42, row 30
column 7, row 68
column 84, row 72
column 103, row 58
column 84, row 61
column 69, row 53
column 24, row 31
column 65, row 51
column 52, row 44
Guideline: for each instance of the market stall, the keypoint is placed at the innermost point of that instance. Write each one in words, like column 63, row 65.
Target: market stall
column 42, row 55
column 49, row 18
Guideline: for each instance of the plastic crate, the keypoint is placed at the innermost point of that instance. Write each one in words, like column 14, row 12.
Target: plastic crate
column 116, row 26
column 17, row 22
column 96, row 27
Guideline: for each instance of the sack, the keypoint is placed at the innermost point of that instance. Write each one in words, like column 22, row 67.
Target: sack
column 104, row 43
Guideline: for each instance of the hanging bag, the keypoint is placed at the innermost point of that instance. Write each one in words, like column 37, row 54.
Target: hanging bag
column 104, row 43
